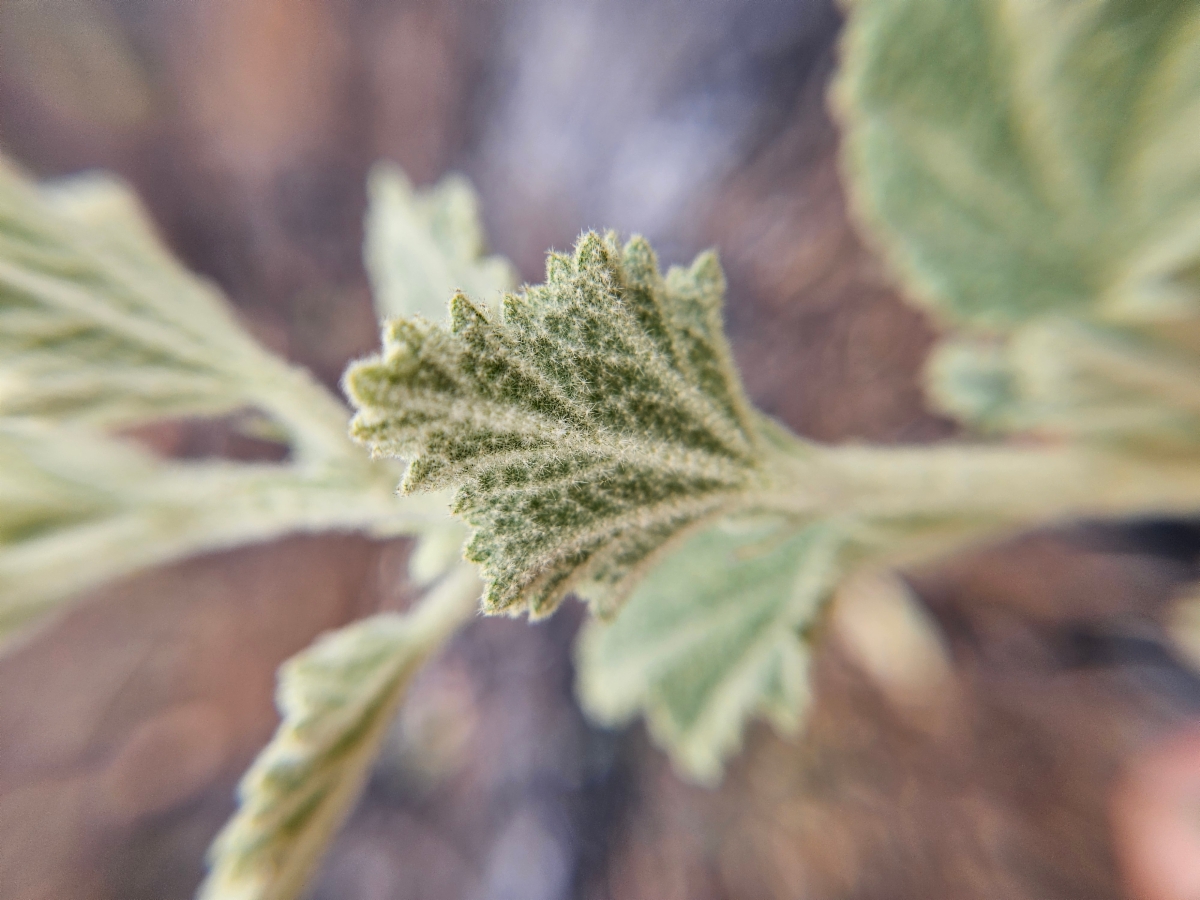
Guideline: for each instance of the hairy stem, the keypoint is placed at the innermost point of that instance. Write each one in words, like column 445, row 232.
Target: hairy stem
column 178, row 517
column 975, row 488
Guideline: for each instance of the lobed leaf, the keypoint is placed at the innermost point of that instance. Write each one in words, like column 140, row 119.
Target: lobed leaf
column 99, row 325
column 713, row 635
column 422, row 246
column 337, row 699
column 587, row 425
column 1018, row 157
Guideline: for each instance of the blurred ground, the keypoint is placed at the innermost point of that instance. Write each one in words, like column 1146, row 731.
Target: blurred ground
column 248, row 126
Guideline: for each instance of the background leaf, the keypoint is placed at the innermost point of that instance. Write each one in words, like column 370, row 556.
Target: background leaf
column 586, row 427
column 99, row 325
column 1130, row 388
column 78, row 508
column 337, row 699
column 422, row 246
column 712, row 636
column 1020, row 157
column 101, row 328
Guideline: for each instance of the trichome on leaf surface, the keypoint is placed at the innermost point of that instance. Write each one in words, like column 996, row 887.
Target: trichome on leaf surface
column 1029, row 170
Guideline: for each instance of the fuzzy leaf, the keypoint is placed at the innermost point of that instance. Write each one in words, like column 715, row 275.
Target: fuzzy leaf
column 712, row 636
column 585, row 427
column 77, row 508
column 1136, row 388
column 422, row 246
column 337, row 699
column 99, row 325
column 1024, row 156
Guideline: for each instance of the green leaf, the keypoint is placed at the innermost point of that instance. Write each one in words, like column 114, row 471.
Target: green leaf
column 100, row 328
column 1020, row 157
column 1130, row 388
column 77, row 508
column 594, row 420
column 424, row 245
column 99, row 325
column 711, row 637
column 337, row 699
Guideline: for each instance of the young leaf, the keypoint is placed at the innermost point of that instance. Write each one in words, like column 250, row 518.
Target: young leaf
column 423, row 246
column 1021, row 157
column 337, row 699
column 588, row 425
column 99, row 325
column 712, row 636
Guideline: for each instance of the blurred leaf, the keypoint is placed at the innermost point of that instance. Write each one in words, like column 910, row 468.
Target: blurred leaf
column 77, row 509
column 337, row 699
column 1019, row 157
column 1126, row 387
column 97, row 323
column 592, row 422
column 101, row 328
column 437, row 550
column 423, row 246
column 712, row 636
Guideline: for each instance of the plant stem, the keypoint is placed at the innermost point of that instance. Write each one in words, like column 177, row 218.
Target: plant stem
column 186, row 508
column 988, row 486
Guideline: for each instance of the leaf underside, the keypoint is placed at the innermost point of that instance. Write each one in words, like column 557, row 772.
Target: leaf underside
column 712, row 636
column 1032, row 171
column 1023, row 157
column 337, row 699
column 587, row 425
column 98, row 324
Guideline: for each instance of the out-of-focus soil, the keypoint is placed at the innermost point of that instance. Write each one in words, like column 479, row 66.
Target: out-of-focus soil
column 248, row 128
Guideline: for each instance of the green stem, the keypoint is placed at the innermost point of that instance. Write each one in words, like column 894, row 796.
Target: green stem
column 187, row 508
column 977, row 486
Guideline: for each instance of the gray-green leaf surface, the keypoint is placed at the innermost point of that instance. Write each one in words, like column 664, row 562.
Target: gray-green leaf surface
column 584, row 427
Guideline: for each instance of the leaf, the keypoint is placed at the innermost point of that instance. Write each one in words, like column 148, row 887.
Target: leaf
column 1126, row 387
column 595, row 419
column 1018, row 157
column 712, row 636
column 337, row 699
column 422, row 246
column 101, row 328
column 99, row 325
column 77, row 508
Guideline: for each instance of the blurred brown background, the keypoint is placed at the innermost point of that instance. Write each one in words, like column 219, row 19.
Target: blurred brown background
column 248, row 127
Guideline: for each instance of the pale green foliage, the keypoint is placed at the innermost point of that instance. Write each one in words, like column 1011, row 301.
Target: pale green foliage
column 587, row 426
column 1135, row 388
column 422, row 246
column 1022, row 157
column 99, row 328
column 337, row 699
column 1039, row 175
column 1033, row 171
column 712, row 635
column 79, row 509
